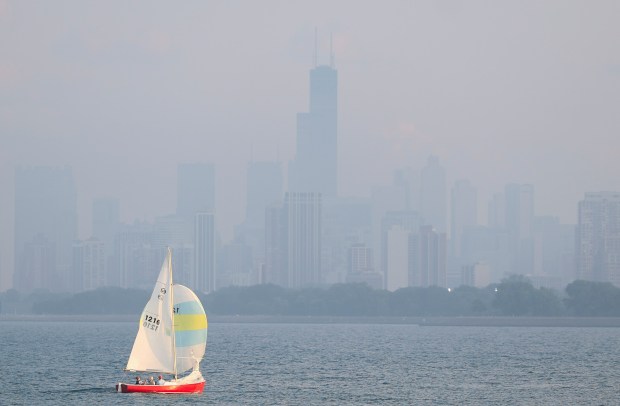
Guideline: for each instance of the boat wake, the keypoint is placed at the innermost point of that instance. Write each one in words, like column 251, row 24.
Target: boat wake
column 81, row 390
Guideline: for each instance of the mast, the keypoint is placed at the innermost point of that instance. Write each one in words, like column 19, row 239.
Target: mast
column 174, row 344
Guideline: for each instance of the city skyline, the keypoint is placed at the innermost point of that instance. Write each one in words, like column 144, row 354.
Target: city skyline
column 124, row 107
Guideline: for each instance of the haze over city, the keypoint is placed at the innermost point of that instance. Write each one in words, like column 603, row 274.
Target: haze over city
column 510, row 92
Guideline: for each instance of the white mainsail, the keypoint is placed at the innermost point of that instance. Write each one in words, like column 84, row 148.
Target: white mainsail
column 153, row 349
column 190, row 326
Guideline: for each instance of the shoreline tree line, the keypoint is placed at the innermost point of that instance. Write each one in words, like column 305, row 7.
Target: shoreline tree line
column 513, row 296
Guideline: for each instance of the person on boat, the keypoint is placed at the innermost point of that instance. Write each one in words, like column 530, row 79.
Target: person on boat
column 161, row 380
column 151, row 381
column 138, row 380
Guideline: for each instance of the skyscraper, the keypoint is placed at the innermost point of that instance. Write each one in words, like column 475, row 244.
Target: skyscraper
column 519, row 223
column 45, row 210
column 37, row 265
column 88, row 265
column 276, row 246
column 360, row 267
column 204, row 252
column 427, row 258
column 554, row 252
column 344, row 221
column 598, row 237
column 106, row 220
column 315, row 167
column 397, row 258
column 234, row 265
column 464, row 210
column 385, row 199
column 195, row 189
column 407, row 220
column 519, row 210
column 433, row 201
column 106, row 225
column 264, row 187
column 360, row 258
column 303, row 217
column 497, row 211
column 132, row 255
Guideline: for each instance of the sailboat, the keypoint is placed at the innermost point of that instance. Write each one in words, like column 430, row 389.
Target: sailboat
column 171, row 339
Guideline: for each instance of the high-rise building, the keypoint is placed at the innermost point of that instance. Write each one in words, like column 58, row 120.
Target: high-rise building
column 464, row 210
column 360, row 269
column 397, row 258
column 45, row 206
column 195, row 189
column 490, row 245
column 519, row 223
column 497, row 211
column 598, row 237
column 344, row 222
column 360, row 258
column 88, row 265
column 204, row 252
column 408, row 220
column 408, row 181
column 276, row 246
column 511, row 213
column 37, row 266
column 478, row 275
column 384, row 199
column 182, row 262
column 519, row 210
column 293, row 241
column 433, row 200
column 171, row 231
column 106, row 224
column 234, row 265
column 427, row 258
column 315, row 167
column 264, row 187
column 106, row 220
column 303, row 217
column 554, row 253
column 132, row 257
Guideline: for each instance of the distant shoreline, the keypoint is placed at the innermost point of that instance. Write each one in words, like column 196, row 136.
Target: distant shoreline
column 499, row 321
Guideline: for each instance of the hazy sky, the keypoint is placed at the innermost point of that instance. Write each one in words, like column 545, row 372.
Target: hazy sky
column 501, row 91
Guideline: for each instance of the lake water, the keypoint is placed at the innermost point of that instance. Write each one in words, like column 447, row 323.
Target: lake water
column 67, row 363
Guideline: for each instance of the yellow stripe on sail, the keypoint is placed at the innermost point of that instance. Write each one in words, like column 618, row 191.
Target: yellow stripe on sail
column 189, row 322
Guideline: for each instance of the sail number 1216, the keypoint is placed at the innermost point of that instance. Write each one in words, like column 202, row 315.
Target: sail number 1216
column 151, row 322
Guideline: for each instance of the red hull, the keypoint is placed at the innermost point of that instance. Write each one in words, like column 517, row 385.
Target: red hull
column 180, row 388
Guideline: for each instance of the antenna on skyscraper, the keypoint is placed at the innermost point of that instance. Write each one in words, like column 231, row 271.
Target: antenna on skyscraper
column 316, row 45
column 331, row 50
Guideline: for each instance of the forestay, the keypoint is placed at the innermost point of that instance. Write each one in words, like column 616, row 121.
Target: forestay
column 153, row 349
column 190, row 323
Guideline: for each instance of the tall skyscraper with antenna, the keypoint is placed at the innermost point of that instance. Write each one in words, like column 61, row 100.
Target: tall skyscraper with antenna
column 315, row 167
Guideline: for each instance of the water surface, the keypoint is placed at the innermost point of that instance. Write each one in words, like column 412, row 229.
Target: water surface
column 61, row 363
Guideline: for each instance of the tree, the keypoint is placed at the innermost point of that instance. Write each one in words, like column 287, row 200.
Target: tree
column 516, row 296
column 587, row 298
